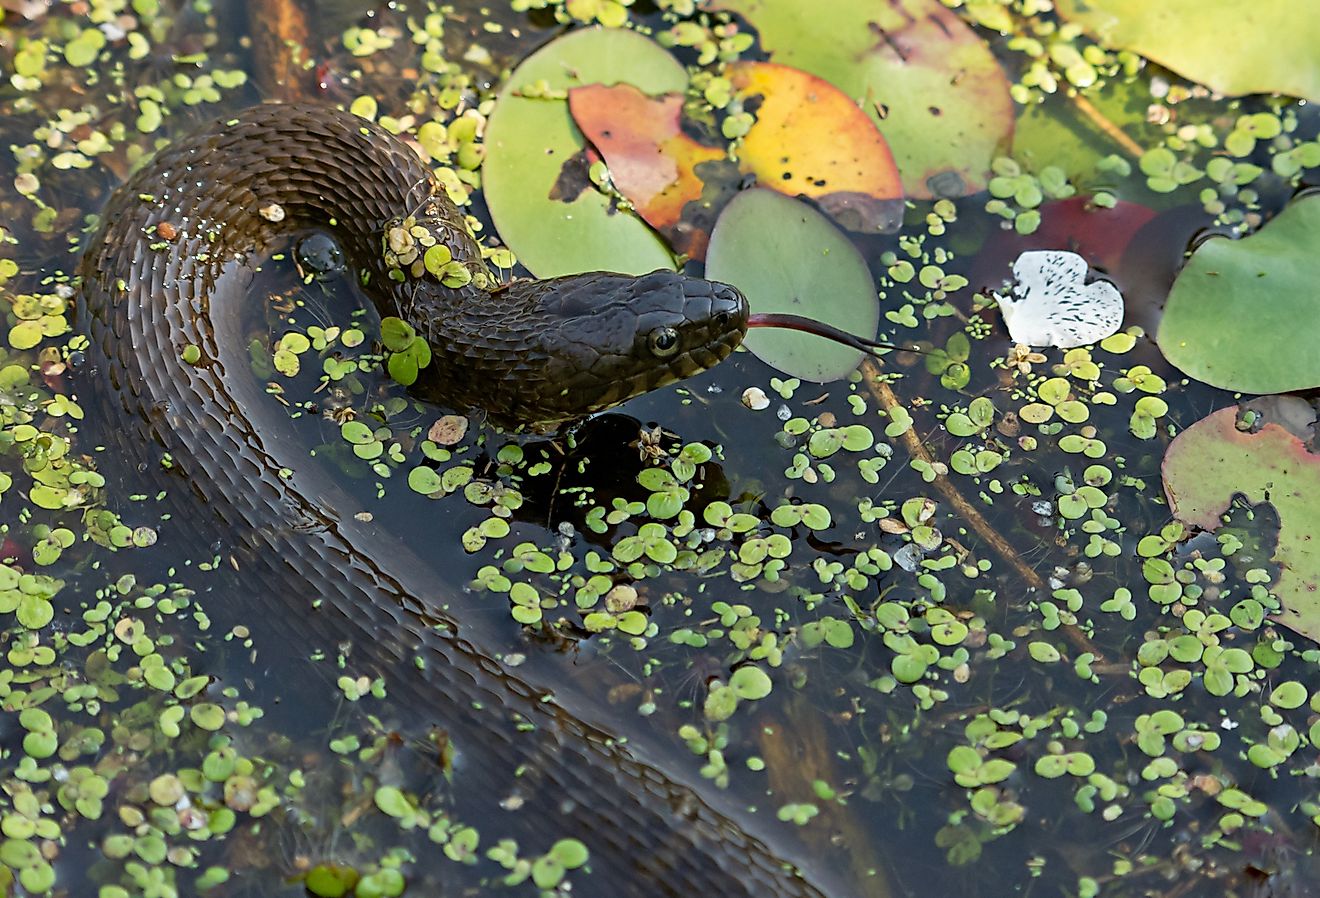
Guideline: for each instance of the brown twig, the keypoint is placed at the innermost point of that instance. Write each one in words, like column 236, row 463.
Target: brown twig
column 281, row 34
column 1105, row 125
column 965, row 509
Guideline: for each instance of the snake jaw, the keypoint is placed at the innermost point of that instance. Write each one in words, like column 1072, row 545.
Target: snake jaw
column 588, row 348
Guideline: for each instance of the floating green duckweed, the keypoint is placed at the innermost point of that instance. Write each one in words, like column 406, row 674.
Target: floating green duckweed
column 722, row 592
column 408, row 352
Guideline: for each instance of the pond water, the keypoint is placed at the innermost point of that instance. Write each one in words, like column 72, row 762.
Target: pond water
column 929, row 628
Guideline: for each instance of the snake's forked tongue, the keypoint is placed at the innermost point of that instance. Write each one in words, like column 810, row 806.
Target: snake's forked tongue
column 821, row 329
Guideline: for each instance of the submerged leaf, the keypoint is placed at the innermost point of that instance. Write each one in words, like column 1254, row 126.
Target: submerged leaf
column 1098, row 234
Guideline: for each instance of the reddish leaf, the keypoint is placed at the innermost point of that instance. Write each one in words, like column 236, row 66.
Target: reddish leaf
column 651, row 161
column 1212, row 461
column 1098, row 235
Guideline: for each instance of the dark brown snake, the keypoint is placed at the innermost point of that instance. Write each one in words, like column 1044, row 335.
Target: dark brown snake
column 163, row 281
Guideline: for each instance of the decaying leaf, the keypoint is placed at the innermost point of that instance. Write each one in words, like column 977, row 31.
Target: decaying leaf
column 1213, row 460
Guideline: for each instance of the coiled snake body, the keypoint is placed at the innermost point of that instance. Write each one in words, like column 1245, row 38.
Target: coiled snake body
column 162, row 283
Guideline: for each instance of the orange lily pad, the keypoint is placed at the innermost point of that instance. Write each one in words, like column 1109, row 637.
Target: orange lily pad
column 651, row 160
column 678, row 184
column 851, row 174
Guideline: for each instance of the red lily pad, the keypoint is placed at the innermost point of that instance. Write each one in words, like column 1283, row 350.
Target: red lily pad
column 1097, row 234
column 852, row 176
column 927, row 81
column 535, row 172
column 1212, row 461
column 651, row 160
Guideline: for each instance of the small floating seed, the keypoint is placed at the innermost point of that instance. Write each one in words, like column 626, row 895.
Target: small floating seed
column 448, row 431
column 621, row 598
column 755, row 399
column 273, row 212
column 167, row 230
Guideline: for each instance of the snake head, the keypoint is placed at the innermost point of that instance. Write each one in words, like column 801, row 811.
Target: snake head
column 596, row 340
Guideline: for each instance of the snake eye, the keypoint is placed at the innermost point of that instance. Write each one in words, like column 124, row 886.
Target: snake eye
column 663, row 342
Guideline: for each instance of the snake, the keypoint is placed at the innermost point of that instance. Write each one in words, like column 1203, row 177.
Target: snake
column 164, row 281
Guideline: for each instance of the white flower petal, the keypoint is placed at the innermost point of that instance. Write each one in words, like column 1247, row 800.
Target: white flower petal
column 1052, row 305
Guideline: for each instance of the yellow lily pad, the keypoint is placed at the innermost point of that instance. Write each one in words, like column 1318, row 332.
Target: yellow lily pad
column 928, row 82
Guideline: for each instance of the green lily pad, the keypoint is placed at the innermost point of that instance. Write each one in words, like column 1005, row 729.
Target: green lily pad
column 929, row 82
column 1268, row 46
column 1212, row 461
column 787, row 258
column 535, row 173
column 1243, row 314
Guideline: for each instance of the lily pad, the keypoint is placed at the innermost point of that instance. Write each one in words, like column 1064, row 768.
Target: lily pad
column 651, row 160
column 930, row 84
column 1244, row 314
column 1268, row 46
column 788, row 258
column 1098, row 234
column 1212, row 461
column 535, row 173
column 852, row 176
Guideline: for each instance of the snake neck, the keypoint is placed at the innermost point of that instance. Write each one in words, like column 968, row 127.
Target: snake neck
column 233, row 192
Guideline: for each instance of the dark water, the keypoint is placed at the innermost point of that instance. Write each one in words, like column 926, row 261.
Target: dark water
column 837, row 734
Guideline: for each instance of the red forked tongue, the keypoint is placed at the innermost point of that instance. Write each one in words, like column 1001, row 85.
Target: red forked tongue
column 821, row 329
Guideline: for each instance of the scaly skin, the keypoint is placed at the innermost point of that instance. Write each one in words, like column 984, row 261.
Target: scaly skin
column 534, row 352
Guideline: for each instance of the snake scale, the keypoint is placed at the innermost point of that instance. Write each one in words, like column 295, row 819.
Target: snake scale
column 163, row 283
